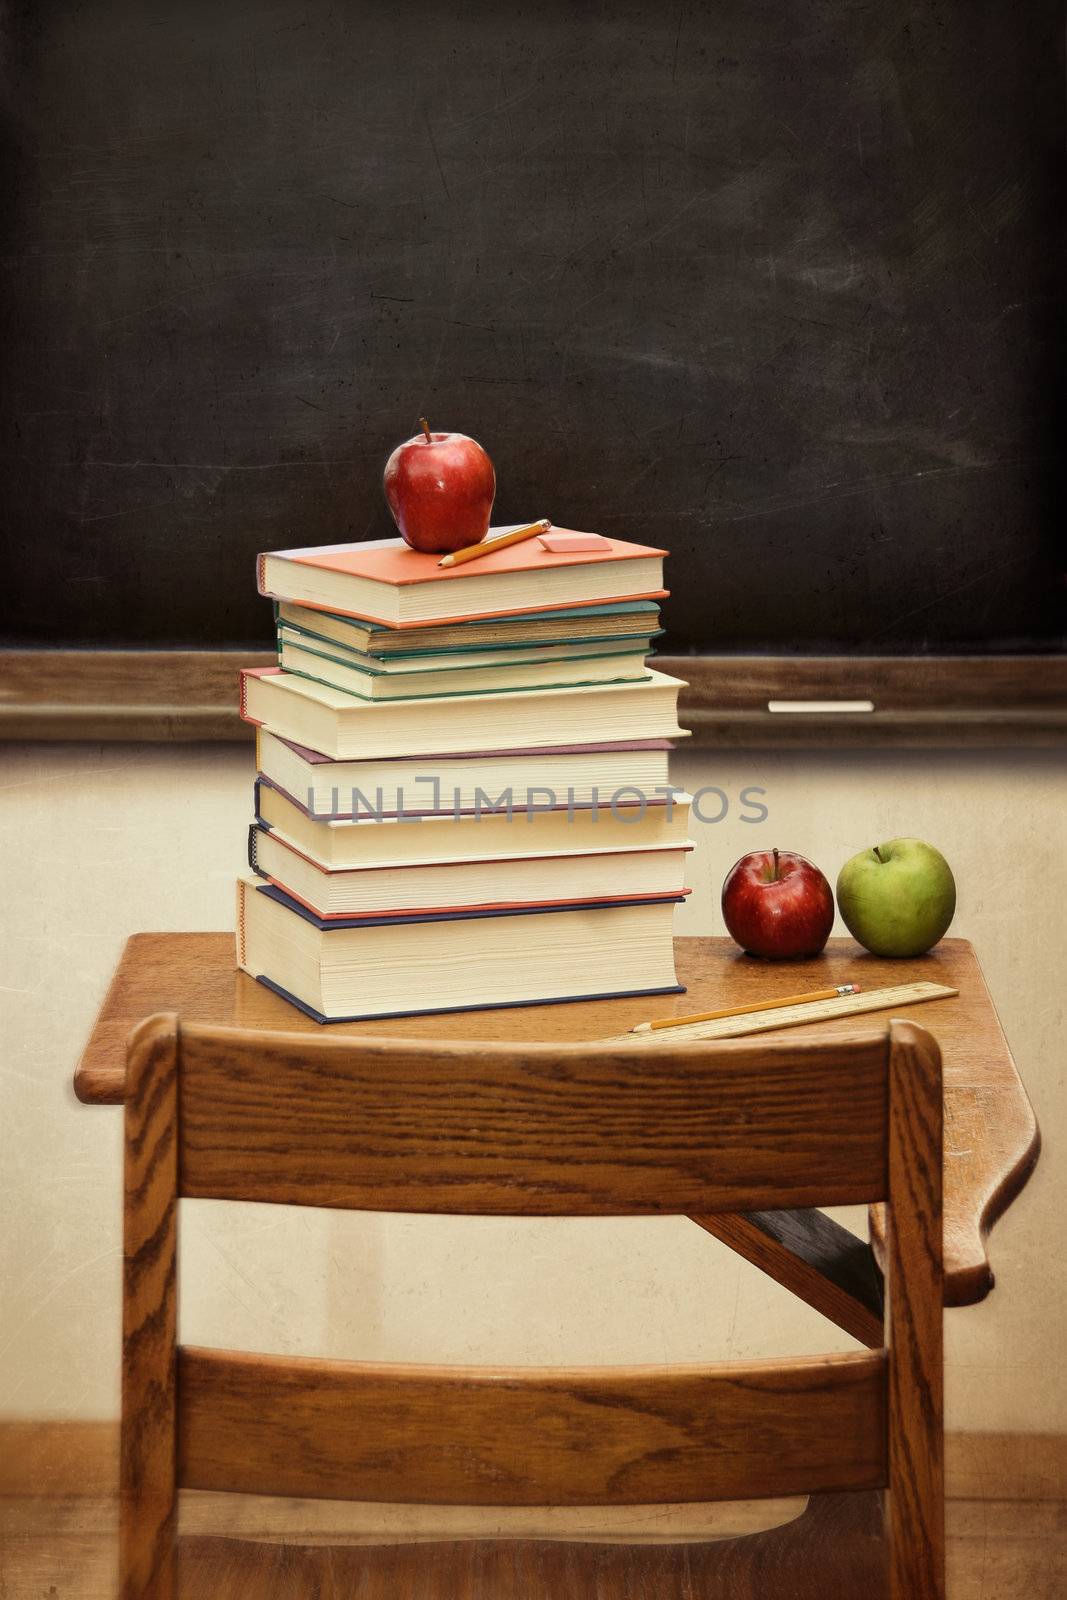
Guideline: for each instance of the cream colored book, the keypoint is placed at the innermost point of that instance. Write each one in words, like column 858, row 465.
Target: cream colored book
column 352, row 970
column 488, row 833
column 337, row 725
column 575, row 775
column 569, row 878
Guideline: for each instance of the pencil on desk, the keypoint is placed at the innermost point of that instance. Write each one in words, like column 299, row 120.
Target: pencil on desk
column 742, row 1011
column 471, row 552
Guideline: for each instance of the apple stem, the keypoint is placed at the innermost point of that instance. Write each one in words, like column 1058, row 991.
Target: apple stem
column 425, row 426
column 775, row 874
column 879, row 854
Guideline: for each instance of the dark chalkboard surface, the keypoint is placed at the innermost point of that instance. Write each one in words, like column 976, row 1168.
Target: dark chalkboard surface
column 777, row 285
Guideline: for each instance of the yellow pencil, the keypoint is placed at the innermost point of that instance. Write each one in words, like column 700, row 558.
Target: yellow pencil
column 457, row 557
column 742, row 1011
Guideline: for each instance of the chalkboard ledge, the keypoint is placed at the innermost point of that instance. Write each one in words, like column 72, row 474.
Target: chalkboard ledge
column 158, row 696
column 781, row 702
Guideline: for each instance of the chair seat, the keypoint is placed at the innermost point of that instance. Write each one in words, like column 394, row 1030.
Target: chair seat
column 835, row 1551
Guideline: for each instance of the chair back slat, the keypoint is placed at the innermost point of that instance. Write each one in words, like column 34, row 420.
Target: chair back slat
column 475, row 1436
column 402, row 1125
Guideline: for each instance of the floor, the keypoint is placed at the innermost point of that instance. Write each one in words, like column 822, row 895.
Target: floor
column 65, row 1550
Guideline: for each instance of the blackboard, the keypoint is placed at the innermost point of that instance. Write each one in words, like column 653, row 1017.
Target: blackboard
column 777, row 284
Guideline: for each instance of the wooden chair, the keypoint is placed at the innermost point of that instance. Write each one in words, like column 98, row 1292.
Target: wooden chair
column 402, row 1125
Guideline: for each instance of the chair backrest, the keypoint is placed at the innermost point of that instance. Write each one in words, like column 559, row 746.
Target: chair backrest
column 402, row 1125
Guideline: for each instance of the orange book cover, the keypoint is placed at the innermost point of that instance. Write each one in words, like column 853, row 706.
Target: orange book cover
column 392, row 562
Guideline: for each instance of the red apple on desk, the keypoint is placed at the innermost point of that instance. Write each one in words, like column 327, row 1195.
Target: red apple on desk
column 778, row 905
column 440, row 489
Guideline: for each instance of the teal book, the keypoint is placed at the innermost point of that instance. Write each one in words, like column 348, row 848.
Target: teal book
column 624, row 622
column 367, row 678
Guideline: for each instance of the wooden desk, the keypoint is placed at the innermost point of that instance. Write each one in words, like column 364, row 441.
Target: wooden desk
column 991, row 1136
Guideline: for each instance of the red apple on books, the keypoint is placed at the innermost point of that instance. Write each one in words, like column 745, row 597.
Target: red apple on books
column 440, row 489
column 778, row 905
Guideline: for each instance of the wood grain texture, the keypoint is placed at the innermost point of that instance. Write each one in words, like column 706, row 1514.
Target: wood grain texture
column 162, row 696
column 317, row 1521
column 265, row 1424
column 515, row 1436
column 816, row 1258
column 991, row 1138
column 833, row 1552
column 50, row 1462
column 156, row 696
column 546, row 1130
column 149, row 1316
column 915, row 1293
column 997, row 1550
column 991, row 1144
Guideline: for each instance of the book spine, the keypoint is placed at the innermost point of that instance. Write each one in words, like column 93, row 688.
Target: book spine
column 253, row 860
column 261, row 568
column 241, row 924
column 242, row 709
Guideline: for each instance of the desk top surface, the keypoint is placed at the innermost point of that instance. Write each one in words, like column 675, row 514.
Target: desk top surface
column 991, row 1137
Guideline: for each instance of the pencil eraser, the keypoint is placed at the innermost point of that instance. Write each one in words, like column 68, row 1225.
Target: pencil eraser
column 565, row 544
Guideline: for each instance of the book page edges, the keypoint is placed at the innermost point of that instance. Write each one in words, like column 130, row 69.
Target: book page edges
column 451, row 621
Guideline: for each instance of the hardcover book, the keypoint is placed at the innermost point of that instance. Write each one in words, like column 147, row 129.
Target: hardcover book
column 543, row 778
column 350, row 970
column 477, row 882
column 627, row 621
column 323, row 661
column 385, row 581
column 492, row 830
column 338, row 725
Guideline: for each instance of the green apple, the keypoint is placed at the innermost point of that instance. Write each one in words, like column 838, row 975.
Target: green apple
column 897, row 899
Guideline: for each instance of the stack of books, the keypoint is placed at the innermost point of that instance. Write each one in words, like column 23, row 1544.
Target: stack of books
column 463, row 796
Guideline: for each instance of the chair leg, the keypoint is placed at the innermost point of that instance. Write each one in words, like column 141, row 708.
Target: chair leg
column 915, row 1512
column 916, row 1549
column 149, row 1316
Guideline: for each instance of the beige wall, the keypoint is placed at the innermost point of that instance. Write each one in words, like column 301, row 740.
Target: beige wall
column 97, row 842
